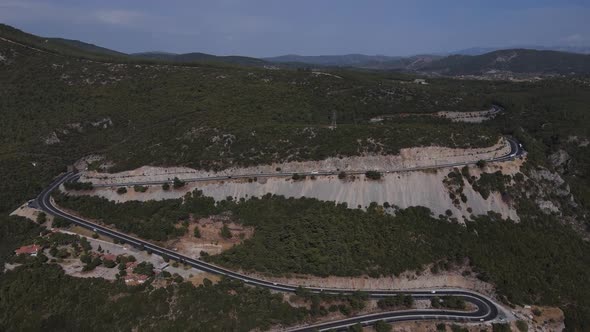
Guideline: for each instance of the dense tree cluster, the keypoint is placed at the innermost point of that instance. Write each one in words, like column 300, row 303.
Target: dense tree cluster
column 40, row 297
column 400, row 300
column 154, row 220
column 76, row 185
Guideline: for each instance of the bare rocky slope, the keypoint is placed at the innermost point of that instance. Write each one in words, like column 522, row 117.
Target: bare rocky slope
column 399, row 189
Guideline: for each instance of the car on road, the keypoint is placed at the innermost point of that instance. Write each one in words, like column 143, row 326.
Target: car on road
column 433, row 292
column 314, row 172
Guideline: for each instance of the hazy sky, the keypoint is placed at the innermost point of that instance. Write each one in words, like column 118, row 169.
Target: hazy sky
column 275, row 27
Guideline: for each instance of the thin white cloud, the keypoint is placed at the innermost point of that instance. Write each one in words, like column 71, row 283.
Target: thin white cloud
column 574, row 38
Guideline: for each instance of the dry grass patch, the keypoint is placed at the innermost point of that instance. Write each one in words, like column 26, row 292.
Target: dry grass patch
column 211, row 241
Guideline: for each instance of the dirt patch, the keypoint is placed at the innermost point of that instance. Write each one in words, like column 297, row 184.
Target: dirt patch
column 430, row 326
column 88, row 233
column 27, row 212
column 211, row 240
column 199, row 278
column 543, row 319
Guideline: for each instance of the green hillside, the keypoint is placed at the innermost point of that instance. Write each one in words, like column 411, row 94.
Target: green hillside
column 90, row 48
column 513, row 60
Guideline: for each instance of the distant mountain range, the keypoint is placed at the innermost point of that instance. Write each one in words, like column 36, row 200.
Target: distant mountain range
column 199, row 57
column 348, row 60
column 483, row 50
column 513, row 60
column 472, row 61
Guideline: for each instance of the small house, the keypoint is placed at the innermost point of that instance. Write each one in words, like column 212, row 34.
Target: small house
column 31, row 250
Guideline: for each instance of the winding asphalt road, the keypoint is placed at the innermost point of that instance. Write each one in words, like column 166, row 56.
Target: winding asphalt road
column 486, row 309
column 515, row 151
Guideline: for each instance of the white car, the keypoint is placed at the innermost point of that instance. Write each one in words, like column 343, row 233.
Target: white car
column 314, row 172
column 433, row 292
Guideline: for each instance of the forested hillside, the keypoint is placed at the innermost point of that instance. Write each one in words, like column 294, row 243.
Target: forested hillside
column 513, row 60
column 59, row 103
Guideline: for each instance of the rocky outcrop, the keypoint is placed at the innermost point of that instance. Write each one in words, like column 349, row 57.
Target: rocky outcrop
column 52, row 139
column 551, row 191
column 560, row 160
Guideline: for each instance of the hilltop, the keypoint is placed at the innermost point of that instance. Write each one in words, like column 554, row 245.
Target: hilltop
column 199, row 57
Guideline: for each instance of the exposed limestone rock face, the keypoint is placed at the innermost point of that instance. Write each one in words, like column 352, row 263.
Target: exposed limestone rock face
column 543, row 174
column 560, row 160
column 547, row 206
column 402, row 190
column 551, row 185
column 52, row 139
column 104, row 123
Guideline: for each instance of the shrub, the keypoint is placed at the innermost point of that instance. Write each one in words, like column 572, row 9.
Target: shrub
column 178, row 183
column 60, row 222
column 144, row 268
column 108, row 263
column 166, row 186
column 225, row 232
column 373, row 175
column 78, row 185
column 381, row 326
column 342, row 175
column 140, row 189
column 522, row 326
column 41, row 218
column 121, row 190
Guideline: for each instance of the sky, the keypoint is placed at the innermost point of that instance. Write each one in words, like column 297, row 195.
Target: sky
column 307, row 27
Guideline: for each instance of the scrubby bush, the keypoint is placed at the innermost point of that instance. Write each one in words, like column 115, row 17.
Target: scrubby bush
column 373, row 175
